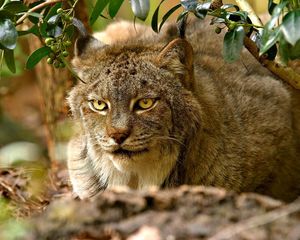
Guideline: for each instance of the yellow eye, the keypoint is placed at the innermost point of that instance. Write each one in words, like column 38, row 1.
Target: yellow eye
column 145, row 103
column 99, row 105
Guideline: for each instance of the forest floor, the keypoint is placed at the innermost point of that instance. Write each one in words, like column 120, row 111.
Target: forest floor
column 45, row 203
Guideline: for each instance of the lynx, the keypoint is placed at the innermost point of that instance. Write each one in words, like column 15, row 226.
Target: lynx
column 158, row 110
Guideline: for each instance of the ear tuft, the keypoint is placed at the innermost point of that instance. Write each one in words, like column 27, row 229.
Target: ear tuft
column 86, row 44
column 177, row 57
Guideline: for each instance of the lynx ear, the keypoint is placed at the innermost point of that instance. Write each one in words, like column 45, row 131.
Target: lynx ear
column 177, row 57
column 86, row 45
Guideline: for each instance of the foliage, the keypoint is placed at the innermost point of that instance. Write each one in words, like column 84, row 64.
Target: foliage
column 55, row 23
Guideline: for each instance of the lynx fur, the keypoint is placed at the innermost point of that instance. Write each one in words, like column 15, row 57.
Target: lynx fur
column 233, row 126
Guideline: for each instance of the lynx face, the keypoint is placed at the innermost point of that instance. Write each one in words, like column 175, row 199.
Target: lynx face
column 126, row 116
column 133, row 113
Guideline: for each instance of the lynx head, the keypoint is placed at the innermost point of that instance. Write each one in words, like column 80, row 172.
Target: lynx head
column 136, row 107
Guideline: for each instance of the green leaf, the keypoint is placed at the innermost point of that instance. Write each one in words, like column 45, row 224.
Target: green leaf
column 268, row 39
column 154, row 20
column 53, row 11
column 275, row 15
column 167, row 15
column 294, row 52
column 290, row 26
column 6, row 15
column 10, row 60
column 233, row 44
column 15, row 7
column 284, row 50
column 34, row 15
column 69, row 31
column 8, row 34
column 242, row 14
column 140, row 8
column 97, row 10
column 37, row 56
column 287, row 51
column 182, row 15
column 54, row 31
column 43, row 29
column 227, row 6
column 1, row 2
column 113, row 7
column 271, row 6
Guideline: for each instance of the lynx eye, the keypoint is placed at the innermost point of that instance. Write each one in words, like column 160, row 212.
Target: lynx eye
column 145, row 103
column 98, row 105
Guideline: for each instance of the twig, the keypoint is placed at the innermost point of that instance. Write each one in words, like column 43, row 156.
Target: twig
column 44, row 4
column 257, row 221
column 285, row 73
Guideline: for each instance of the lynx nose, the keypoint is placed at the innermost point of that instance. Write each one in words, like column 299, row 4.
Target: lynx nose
column 118, row 134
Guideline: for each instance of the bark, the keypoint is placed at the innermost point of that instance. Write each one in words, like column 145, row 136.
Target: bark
column 183, row 213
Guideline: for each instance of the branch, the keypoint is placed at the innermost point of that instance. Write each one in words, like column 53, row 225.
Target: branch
column 257, row 221
column 285, row 73
column 39, row 6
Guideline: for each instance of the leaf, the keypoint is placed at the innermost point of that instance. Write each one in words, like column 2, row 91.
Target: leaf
column 8, row 34
column 32, row 14
column 54, row 19
column 80, row 27
column 140, row 8
column 275, row 15
column 290, row 26
column 43, row 29
column 35, row 14
column 54, row 31
column 113, row 7
column 6, row 15
column 189, row 5
column 10, row 60
column 97, row 10
column 233, row 44
column 181, row 15
column 294, row 52
column 15, row 7
column 283, row 50
column 69, row 31
column 154, row 20
column 217, row 20
column 37, row 56
column 268, row 39
column 288, row 51
column 227, row 6
column 201, row 9
column 53, row 11
column 271, row 6
column 167, row 15
column 242, row 15
column 1, row 2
